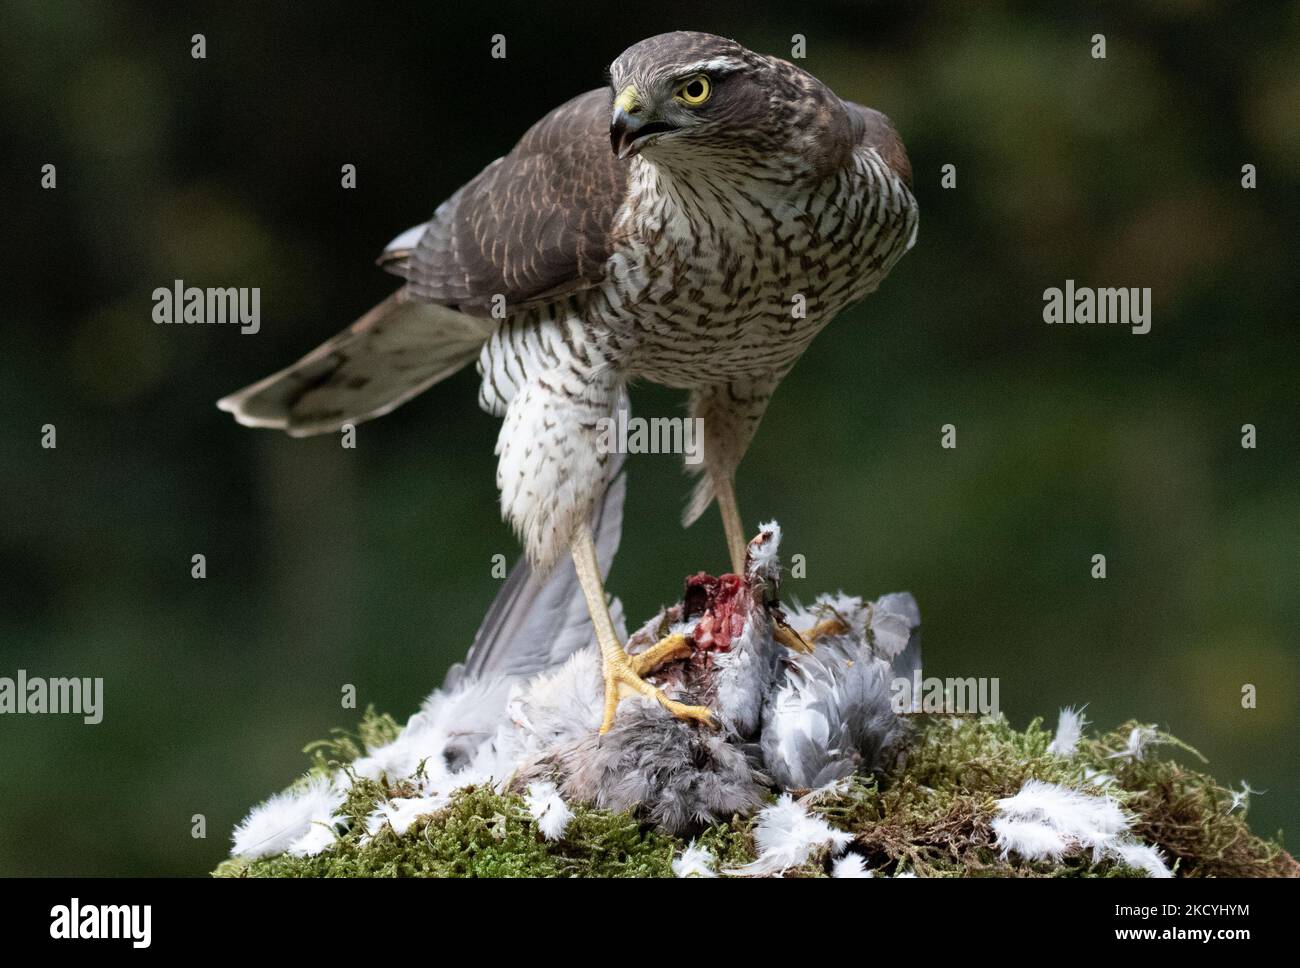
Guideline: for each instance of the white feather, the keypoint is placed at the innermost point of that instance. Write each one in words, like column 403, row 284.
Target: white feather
column 1142, row 857
column 787, row 835
column 694, row 862
column 1030, row 839
column 299, row 820
column 1139, row 738
column 1069, row 729
column 796, row 720
column 473, row 711
column 1047, row 821
column 851, row 865
column 558, row 706
column 1241, row 798
column 548, row 809
column 1081, row 818
column 400, row 814
column 764, row 555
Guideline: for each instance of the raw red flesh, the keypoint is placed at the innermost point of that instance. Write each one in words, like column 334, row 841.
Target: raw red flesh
column 721, row 604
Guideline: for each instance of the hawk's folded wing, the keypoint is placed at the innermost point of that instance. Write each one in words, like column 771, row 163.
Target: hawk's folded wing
column 532, row 226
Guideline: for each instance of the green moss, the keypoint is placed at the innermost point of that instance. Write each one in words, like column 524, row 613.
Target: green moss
column 480, row 834
column 931, row 815
column 376, row 729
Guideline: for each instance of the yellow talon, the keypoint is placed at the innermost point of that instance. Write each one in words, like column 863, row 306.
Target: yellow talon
column 790, row 638
column 829, row 626
column 667, row 649
column 803, row 641
column 623, row 674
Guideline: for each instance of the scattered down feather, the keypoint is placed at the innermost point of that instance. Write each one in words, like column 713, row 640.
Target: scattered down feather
column 1046, row 821
column 787, row 835
column 694, row 862
column 1069, row 728
column 548, row 809
column 851, row 865
column 299, row 821
column 400, row 814
column 1139, row 738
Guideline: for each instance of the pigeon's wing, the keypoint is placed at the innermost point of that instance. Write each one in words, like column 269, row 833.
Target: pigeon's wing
column 832, row 711
column 898, row 613
column 532, row 227
column 533, row 625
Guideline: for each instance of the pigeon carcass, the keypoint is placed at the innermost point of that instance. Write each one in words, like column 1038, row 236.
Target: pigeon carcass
column 800, row 699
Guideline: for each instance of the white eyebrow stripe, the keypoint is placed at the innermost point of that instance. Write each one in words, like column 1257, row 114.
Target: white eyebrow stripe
column 716, row 64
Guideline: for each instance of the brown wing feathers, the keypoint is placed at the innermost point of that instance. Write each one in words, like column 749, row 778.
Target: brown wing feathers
column 535, row 224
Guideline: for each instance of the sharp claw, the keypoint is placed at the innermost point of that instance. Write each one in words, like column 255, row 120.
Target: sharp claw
column 701, row 714
column 790, row 638
column 622, row 679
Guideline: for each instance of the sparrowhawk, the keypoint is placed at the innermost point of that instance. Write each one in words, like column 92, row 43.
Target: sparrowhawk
column 693, row 224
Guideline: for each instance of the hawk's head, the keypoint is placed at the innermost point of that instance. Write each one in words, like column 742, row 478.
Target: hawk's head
column 693, row 98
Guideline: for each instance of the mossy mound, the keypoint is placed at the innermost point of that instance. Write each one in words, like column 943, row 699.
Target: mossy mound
column 931, row 816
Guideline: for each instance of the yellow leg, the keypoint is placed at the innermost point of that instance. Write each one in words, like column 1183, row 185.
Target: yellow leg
column 621, row 672
column 724, row 488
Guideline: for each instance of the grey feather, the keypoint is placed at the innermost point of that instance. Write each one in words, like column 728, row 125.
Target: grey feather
column 908, row 659
column 681, row 777
column 832, row 714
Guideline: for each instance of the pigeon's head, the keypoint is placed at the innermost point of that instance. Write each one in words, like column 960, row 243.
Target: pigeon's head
column 763, row 562
column 690, row 96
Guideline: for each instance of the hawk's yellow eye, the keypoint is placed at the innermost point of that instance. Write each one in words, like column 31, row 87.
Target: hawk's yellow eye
column 695, row 91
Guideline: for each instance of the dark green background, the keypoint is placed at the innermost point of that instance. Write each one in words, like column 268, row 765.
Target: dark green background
column 371, row 566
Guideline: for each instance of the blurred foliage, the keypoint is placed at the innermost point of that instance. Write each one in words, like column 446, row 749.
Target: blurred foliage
column 371, row 567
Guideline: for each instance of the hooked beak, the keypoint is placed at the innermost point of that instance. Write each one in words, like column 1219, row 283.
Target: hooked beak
column 623, row 128
column 631, row 126
column 629, row 133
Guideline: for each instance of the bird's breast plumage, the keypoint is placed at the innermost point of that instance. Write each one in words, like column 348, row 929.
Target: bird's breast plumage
column 715, row 276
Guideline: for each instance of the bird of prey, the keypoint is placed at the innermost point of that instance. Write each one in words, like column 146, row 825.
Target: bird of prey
column 693, row 224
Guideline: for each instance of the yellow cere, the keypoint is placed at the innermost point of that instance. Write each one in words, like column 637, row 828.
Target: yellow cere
column 627, row 100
